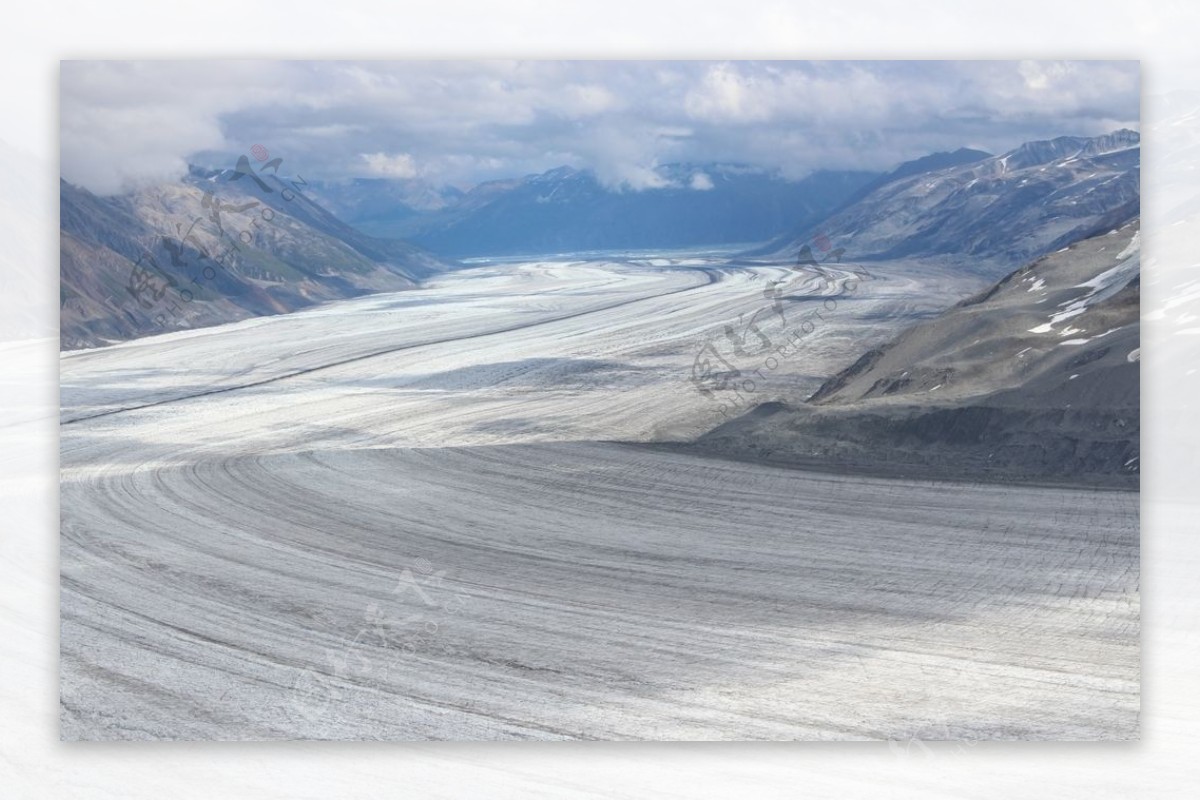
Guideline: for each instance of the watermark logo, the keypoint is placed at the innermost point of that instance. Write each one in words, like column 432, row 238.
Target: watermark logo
column 745, row 351
column 930, row 740
column 159, row 291
column 421, row 607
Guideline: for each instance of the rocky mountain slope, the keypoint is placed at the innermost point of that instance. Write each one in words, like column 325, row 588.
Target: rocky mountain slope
column 1000, row 211
column 931, row 163
column 217, row 247
column 1034, row 379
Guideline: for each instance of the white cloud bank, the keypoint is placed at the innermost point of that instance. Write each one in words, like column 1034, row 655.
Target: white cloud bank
column 125, row 123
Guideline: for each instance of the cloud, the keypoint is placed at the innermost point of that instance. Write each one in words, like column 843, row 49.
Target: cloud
column 728, row 94
column 125, row 123
column 636, row 178
column 383, row 165
column 701, row 182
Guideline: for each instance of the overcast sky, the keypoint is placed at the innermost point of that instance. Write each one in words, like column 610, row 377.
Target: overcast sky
column 457, row 122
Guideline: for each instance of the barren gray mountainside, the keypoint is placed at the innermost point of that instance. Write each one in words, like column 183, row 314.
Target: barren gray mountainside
column 931, row 163
column 1001, row 211
column 211, row 250
column 1034, row 379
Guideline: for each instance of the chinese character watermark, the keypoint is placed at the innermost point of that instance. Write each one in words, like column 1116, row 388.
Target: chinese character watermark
column 148, row 282
column 728, row 363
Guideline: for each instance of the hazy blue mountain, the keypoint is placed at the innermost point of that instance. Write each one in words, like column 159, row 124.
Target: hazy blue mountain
column 1002, row 210
column 568, row 210
column 375, row 205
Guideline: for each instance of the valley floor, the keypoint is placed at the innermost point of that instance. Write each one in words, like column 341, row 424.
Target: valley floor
column 412, row 516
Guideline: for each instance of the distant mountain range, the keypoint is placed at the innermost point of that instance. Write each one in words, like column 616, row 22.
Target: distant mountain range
column 382, row 206
column 1001, row 209
column 565, row 209
column 130, row 263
